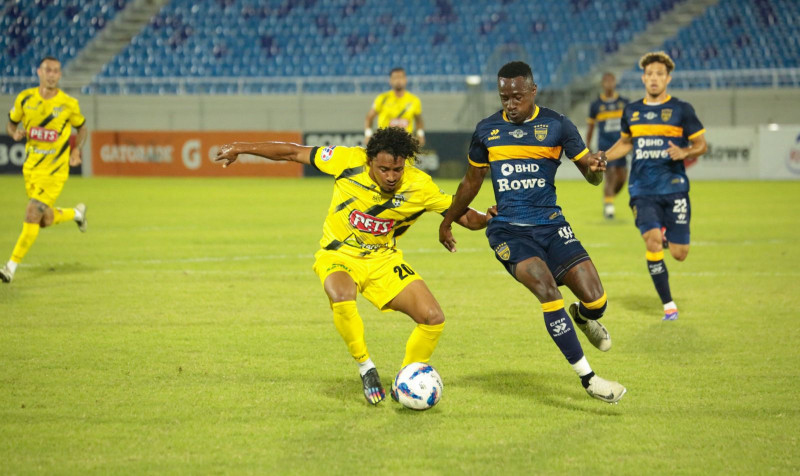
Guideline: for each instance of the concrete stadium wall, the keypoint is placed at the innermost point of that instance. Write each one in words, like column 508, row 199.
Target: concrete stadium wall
column 345, row 112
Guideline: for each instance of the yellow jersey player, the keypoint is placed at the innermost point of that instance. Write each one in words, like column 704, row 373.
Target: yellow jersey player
column 397, row 108
column 377, row 196
column 45, row 115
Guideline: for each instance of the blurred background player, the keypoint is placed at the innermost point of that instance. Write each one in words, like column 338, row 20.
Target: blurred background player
column 377, row 196
column 522, row 146
column 605, row 112
column 46, row 116
column 396, row 108
column 662, row 131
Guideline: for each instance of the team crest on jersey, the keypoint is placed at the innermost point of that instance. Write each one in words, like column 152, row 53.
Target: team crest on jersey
column 517, row 133
column 620, row 105
column 666, row 114
column 57, row 110
column 540, row 132
column 503, row 251
column 370, row 224
column 327, row 153
column 398, row 200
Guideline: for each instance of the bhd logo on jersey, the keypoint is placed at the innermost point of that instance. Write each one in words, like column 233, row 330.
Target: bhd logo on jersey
column 370, row 224
column 666, row 114
column 650, row 116
column 540, row 132
column 327, row 153
column 517, row 133
column 503, row 251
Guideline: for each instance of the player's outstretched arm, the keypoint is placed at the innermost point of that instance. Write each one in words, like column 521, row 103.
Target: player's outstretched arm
column 475, row 220
column 620, row 149
column 16, row 131
column 467, row 190
column 593, row 166
column 288, row 151
column 697, row 147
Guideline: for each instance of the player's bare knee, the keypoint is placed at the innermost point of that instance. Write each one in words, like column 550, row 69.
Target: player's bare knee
column 679, row 254
column 434, row 316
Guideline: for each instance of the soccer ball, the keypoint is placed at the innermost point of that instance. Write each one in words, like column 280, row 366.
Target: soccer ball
column 418, row 386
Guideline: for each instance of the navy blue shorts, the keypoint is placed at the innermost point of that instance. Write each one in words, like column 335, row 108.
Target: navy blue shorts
column 555, row 244
column 673, row 211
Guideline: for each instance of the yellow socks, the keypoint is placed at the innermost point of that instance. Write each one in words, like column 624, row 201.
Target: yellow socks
column 422, row 342
column 351, row 328
column 61, row 215
column 29, row 233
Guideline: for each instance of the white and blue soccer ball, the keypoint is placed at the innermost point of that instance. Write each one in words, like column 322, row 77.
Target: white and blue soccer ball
column 418, row 386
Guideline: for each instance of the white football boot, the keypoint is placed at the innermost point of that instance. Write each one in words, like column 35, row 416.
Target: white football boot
column 81, row 208
column 595, row 332
column 6, row 275
column 605, row 390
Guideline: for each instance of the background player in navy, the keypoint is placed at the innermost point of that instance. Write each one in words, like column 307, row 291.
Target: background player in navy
column 662, row 131
column 522, row 145
column 606, row 112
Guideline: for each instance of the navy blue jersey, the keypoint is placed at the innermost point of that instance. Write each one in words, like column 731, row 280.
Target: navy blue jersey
column 606, row 113
column 523, row 160
column 651, row 127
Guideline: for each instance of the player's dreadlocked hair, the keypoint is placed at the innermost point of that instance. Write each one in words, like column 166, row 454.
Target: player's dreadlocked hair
column 394, row 141
column 657, row 57
column 514, row 69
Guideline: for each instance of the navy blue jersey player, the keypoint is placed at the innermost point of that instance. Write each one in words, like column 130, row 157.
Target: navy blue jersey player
column 522, row 145
column 662, row 131
column 605, row 112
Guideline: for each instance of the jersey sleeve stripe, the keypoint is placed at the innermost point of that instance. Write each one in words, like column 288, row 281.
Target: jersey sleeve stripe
column 476, row 164
column 12, row 120
column 313, row 158
column 580, row 156
column 589, row 120
column 697, row 134
column 624, row 134
column 82, row 124
column 505, row 152
column 656, row 130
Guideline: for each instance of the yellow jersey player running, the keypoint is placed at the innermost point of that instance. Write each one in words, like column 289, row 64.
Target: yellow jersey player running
column 46, row 116
column 377, row 196
column 396, row 108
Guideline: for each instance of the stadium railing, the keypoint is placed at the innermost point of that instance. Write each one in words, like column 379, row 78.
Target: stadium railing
column 718, row 79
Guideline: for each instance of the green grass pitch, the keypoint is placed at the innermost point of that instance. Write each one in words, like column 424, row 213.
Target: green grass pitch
column 186, row 333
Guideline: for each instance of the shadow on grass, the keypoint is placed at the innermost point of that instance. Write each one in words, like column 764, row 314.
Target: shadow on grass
column 642, row 303
column 60, row 268
column 539, row 388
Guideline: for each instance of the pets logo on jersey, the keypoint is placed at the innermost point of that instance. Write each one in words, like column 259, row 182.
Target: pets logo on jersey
column 370, row 224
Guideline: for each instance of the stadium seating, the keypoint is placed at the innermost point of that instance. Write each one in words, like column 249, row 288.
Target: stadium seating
column 229, row 43
column 309, row 38
column 740, row 34
column 33, row 29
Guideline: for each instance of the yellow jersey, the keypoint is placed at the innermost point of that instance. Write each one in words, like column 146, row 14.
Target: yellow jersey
column 362, row 220
column 48, row 124
column 396, row 111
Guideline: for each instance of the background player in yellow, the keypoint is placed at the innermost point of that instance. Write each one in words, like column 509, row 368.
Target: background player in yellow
column 46, row 116
column 377, row 195
column 396, row 108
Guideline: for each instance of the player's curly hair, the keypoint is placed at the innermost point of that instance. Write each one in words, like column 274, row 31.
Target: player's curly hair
column 657, row 57
column 394, row 141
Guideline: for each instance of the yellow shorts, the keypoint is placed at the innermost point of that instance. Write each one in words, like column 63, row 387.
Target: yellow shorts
column 379, row 279
column 44, row 188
